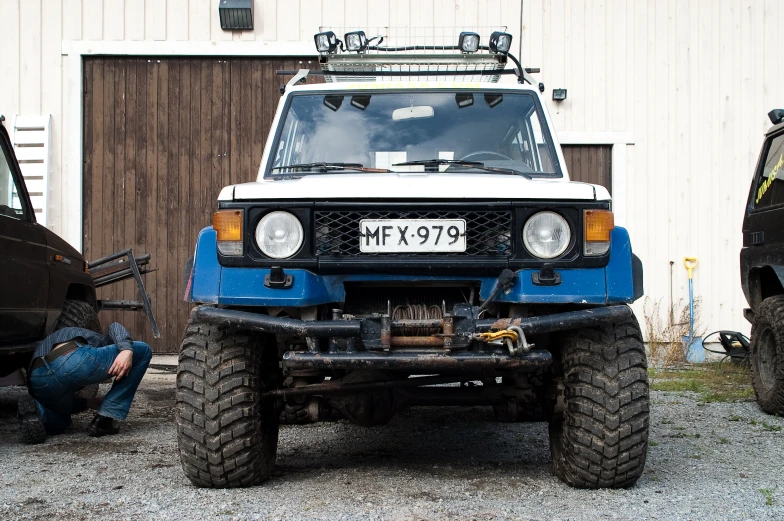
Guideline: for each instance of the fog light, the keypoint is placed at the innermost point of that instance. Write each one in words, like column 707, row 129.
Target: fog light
column 356, row 41
column 500, row 42
column 326, row 42
column 468, row 42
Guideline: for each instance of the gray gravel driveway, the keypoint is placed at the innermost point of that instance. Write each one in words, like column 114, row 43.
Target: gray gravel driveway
column 709, row 461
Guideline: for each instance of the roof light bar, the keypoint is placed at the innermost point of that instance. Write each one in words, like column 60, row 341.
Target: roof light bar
column 468, row 42
column 500, row 42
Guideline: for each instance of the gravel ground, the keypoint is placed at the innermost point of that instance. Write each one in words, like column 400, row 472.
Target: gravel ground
column 710, row 461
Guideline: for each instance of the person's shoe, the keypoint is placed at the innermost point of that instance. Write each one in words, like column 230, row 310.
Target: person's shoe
column 31, row 427
column 102, row 426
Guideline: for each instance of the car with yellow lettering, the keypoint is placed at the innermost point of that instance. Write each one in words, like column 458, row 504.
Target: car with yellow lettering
column 762, row 269
column 413, row 239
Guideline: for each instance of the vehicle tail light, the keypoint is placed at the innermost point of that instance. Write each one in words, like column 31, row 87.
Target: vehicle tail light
column 228, row 226
column 598, row 225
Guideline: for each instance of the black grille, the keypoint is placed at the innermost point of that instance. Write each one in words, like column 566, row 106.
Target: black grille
column 488, row 233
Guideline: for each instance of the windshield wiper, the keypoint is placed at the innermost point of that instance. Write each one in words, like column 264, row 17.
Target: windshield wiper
column 326, row 167
column 468, row 164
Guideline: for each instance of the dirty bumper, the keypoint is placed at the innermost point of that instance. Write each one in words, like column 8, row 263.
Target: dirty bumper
column 455, row 348
column 435, row 362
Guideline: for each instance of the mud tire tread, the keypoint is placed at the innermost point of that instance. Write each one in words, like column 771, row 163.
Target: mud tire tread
column 76, row 313
column 601, row 441
column 770, row 314
column 227, row 437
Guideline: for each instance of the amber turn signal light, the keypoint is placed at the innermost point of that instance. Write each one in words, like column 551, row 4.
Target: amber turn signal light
column 598, row 225
column 228, row 225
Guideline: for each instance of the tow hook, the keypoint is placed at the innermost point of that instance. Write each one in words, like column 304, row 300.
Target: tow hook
column 513, row 337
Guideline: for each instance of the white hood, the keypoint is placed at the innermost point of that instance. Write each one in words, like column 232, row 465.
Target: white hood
column 414, row 186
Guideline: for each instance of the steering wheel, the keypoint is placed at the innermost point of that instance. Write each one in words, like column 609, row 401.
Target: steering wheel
column 489, row 153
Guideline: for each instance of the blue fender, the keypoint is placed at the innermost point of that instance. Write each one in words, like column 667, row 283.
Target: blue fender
column 206, row 272
column 624, row 271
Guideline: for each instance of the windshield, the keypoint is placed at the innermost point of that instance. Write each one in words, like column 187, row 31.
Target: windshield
column 458, row 131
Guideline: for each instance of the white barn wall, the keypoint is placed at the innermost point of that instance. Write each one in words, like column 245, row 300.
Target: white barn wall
column 690, row 80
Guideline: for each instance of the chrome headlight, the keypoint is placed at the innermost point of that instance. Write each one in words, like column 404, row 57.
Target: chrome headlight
column 279, row 235
column 546, row 235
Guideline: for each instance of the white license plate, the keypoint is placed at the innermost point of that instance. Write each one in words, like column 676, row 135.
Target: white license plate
column 412, row 235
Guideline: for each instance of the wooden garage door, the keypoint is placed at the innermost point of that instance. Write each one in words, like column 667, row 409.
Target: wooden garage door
column 161, row 138
column 590, row 164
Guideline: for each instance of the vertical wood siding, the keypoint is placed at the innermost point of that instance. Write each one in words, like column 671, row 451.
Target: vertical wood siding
column 162, row 137
column 589, row 164
column 690, row 80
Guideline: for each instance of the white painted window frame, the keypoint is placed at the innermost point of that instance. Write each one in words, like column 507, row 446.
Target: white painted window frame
column 618, row 141
column 76, row 51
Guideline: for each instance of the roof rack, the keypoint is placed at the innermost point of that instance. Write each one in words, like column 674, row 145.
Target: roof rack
column 358, row 58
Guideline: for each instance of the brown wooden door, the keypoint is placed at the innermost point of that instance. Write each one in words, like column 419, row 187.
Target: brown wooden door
column 589, row 164
column 161, row 138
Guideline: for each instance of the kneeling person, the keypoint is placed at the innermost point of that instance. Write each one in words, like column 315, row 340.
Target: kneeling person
column 70, row 359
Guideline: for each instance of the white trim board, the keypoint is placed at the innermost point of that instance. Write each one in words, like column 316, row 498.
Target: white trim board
column 75, row 51
column 619, row 142
column 187, row 48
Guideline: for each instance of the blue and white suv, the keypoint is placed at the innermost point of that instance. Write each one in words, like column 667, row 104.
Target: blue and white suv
column 407, row 234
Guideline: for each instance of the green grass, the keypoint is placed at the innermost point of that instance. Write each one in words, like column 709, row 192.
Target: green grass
column 734, row 418
column 712, row 382
column 769, row 427
column 652, row 443
column 724, row 441
column 767, row 493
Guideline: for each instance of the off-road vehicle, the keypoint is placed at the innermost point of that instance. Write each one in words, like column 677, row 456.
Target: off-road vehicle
column 762, row 269
column 413, row 239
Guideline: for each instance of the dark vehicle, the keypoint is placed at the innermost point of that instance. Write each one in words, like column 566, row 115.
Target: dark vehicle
column 762, row 269
column 44, row 281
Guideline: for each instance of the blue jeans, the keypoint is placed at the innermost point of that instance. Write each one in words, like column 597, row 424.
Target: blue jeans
column 55, row 384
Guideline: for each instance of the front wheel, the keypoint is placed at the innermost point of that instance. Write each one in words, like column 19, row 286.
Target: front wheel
column 226, row 434
column 767, row 355
column 601, row 440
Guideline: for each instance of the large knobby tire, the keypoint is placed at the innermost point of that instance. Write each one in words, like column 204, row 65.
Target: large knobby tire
column 227, row 435
column 601, row 440
column 767, row 355
column 78, row 314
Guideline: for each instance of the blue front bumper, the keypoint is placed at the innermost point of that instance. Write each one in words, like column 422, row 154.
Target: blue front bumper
column 212, row 283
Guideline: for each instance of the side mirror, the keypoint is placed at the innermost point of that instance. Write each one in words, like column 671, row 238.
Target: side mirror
column 776, row 116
